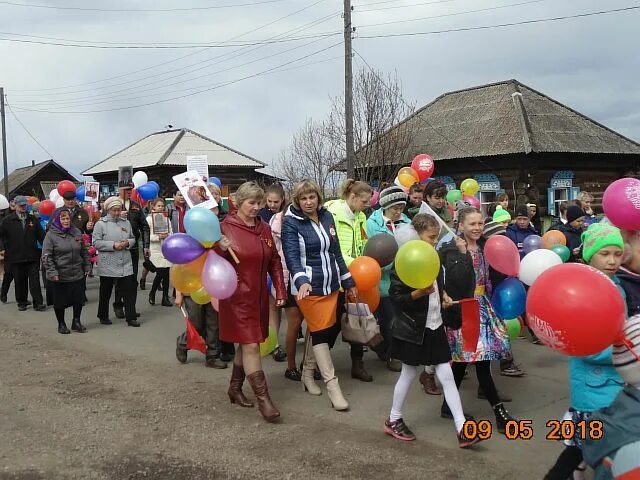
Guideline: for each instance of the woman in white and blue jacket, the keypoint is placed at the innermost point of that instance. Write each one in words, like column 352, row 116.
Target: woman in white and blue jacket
column 317, row 271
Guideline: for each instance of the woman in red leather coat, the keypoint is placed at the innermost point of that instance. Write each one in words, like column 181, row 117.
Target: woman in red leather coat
column 244, row 317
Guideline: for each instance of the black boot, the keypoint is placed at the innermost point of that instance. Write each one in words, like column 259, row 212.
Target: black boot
column 119, row 311
column 76, row 326
column 62, row 328
column 502, row 417
column 152, row 297
column 166, row 302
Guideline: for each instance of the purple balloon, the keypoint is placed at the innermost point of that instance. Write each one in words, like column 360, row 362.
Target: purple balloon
column 219, row 278
column 181, row 248
column 531, row 243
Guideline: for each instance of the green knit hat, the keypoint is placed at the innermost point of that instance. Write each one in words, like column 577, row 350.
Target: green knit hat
column 501, row 215
column 599, row 236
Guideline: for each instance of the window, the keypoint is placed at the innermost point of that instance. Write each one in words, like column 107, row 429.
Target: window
column 486, row 199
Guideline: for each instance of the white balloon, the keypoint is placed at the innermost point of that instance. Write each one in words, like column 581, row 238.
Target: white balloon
column 4, row 203
column 54, row 195
column 405, row 233
column 139, row 178
column 59, row 202
column 536, row 263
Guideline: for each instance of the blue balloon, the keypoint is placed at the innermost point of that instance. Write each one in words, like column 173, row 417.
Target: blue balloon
column 202, row 224
column 80, row 192
column 147, row 192
column 216, row 181
column 45, row 217
column 509, row 299
column 155, row 184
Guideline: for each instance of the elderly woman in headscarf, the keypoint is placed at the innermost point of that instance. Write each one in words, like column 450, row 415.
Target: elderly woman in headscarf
column 66, row 262
column 113, row 237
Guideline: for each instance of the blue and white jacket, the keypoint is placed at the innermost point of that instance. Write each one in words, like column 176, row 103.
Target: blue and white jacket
column 312, row 253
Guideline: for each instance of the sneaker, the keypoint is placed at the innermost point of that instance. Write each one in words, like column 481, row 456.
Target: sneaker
column 512, row 370
column 293, row 374
column 279, row 355
column 212, row 362
column 466, row 442
column 398, row 430
column 3, row 297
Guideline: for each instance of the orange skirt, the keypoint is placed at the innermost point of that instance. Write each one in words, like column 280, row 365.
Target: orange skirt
column 319, row 312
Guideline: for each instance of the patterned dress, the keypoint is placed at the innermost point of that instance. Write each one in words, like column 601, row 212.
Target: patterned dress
column 493, row 342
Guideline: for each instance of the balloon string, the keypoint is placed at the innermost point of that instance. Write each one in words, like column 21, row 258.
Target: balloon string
column 627, row 343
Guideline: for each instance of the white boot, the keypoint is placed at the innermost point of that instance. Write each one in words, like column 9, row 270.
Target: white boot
column 308, row 369
column 325, row 364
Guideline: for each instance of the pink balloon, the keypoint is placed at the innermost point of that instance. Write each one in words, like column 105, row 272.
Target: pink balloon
column 219, row 278
column 375, row 198
column 502, row 254
column 471, row 200
column 621, row 203
column 215, row 304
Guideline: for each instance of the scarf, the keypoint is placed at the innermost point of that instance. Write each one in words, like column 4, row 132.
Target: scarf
column 56, row 220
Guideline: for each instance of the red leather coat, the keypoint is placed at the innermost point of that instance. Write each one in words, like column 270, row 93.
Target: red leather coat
column 244, row 317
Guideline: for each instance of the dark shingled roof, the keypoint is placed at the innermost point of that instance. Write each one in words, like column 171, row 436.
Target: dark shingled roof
column 21, row 176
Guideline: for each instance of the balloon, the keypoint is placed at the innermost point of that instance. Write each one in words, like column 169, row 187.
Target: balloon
column 65, row 186
column 187, row 277
column 424, row 166
column 60, row 202
column 502, row 254
column 621, row 203
column 509, row 299
column 90, row 209
column 407, row 176
column 219, row 278
column 54, row 195
column 370, row 297
column 536, row 263
column 135, row 196
column 156, row 186
column 531, row 243
column 215, row 304
column 147, row 192
column 562, row 251
column 139, row 178
column 405, row 233
column 473, row 201
column 417, row 264
column 4, row 203
column 575, row 309
column 47, row 207
column 31, row 200
column 513, row 328
column 201, row 297
column 374, row 198
column 469, row 187
column 215, row 181
column 180, row 248
column 46, row 218
column 553, row 237
column 382, row 248
column 454, row 196
column 365, row 272
column 203, row 225
column 397, row 182
column 80, row 192
column 270, row 343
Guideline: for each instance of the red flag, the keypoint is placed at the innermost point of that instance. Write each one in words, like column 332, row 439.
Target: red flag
column 194, row 340
column 470, row 324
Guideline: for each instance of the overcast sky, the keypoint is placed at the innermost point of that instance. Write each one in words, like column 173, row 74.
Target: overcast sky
column 591, row 64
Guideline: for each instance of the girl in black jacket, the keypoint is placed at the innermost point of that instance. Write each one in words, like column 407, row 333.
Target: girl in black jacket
column 419, row 338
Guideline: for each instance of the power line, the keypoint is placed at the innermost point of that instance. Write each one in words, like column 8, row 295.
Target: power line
column 29, row 133
column 421, row 4
column 148, row 10
column 501, row 25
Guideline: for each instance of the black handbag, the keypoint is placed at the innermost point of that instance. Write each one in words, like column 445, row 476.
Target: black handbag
column 148, row 264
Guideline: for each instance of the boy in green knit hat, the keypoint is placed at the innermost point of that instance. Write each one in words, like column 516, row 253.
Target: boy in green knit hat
column 502, row 216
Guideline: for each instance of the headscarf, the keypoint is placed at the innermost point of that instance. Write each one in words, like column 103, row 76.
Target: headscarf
column 111, row 202
column 55, row 221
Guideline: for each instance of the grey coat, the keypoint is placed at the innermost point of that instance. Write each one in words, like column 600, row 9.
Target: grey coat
column 64, row 255
column 106, row 232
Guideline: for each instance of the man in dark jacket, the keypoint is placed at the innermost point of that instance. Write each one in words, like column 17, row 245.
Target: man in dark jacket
column 519, row 231
column 79, row 216
column 132, row 211
column 8, row 276
column 573, row 230
column 20, row 233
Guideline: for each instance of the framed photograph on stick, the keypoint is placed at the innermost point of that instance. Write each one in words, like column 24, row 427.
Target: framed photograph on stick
column 160, row 223
column 195, row 190
column 125, row 177
column 91, row 192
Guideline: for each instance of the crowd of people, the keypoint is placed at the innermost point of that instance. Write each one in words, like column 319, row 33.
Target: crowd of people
column 293, row 255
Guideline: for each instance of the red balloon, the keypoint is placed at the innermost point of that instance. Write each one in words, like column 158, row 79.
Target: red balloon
column 66, row 186
column 424, row 165
column 502, row 254
column 47, row 207
column 365, row 272
column 575, row 309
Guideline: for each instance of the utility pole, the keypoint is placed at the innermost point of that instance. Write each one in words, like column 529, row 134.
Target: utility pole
column 348, row 90
column 4, row 143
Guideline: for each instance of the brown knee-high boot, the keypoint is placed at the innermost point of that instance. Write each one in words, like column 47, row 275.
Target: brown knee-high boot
column 235, row 387
column 258, row 383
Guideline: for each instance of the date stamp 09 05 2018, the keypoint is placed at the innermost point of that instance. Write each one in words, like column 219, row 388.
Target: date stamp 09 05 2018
column 523, row 429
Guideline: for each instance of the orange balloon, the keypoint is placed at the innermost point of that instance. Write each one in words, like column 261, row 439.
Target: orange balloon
column 553, row 237
column 371, row 298
column 366, row 272
column 407, row 176
column 187, row 278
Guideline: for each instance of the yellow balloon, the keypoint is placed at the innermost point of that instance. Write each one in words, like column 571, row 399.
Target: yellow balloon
column 270, row 343
column 417, row 264
column 407, row 176
column 187, row 277
column 469, row 187
column 208, row 244
column 201, row 297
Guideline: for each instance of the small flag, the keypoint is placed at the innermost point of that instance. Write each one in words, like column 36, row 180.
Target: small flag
column 470, row 324
column 194, row 340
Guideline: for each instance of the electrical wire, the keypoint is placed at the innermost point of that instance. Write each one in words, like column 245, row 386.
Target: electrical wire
column 421, row 4
column 143, row 10
column 29, row 133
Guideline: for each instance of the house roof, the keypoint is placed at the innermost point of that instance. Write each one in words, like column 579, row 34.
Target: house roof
column 20, row 176
column 506, row 118
column 171, row 147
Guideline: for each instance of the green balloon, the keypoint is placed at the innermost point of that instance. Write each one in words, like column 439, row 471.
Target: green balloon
column 453, row 196
column 562, row 251
column 513, row 328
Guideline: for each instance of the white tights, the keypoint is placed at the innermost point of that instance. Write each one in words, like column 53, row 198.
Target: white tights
column 445, row 376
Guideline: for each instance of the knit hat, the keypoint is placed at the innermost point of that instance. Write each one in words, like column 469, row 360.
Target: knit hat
column 501, row 215
column 574, row 212
column 522, row 211
column 599, row 236
column 492, row 228
column 625, row 360
column 391, row 196
column 111, row 202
